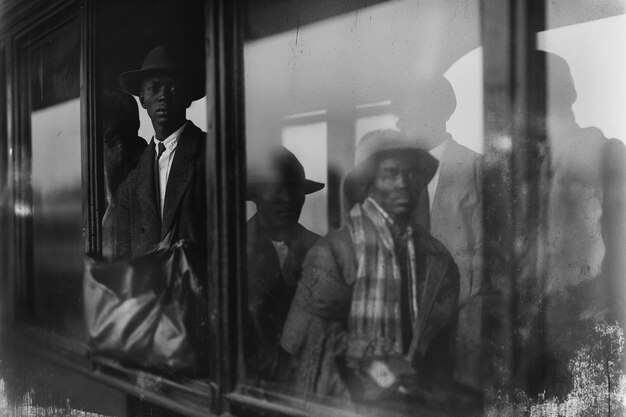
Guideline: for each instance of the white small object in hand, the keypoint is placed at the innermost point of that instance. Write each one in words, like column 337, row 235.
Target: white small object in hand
column 381, row 374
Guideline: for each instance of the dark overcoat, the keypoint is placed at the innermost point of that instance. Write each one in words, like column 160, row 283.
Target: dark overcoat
column 133, row 225
column 270, row 291
column 315, row 331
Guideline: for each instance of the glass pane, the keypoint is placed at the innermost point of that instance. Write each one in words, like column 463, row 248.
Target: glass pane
column 53, row 74
column 340, row 305
column 573, row 351
column 152, row 119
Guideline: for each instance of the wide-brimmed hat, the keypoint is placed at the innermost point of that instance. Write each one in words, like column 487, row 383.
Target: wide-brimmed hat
column 277, row 165
column 166, row 59
column 376, row 146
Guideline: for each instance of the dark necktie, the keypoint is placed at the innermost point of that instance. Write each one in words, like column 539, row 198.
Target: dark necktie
column 157, row 186
column 423, row 209
column 402, row 255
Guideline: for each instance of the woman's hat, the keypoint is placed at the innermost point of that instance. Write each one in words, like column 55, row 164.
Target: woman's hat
column 278, row 165
column 376, row 146
column 166, row 59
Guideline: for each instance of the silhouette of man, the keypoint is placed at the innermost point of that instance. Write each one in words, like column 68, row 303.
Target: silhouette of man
column 585, row 245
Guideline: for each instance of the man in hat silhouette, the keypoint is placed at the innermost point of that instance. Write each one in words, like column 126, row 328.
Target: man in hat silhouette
column 166, row 191
column 276, row 247
column 375, row 311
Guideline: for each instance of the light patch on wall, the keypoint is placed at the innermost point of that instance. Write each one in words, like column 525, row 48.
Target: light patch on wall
column 597, row 59
column 196, row 113
column 368, row 124
column 466, row 123
column 308, row 142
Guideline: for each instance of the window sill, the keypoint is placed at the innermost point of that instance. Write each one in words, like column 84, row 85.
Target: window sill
column 184, row 396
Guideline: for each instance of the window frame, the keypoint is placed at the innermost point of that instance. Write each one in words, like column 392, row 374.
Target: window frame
column 26, row 25
column 511, row 38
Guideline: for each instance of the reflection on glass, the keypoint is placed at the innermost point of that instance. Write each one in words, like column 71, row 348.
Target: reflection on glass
column 57, row 213
column 334, row 84
column 574, row 349
column 57, row 224
column 308, row 143
column 276, row 247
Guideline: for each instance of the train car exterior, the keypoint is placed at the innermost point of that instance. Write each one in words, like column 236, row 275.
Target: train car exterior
column 517, row 103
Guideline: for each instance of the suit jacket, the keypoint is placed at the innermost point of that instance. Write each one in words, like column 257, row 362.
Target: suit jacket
column 270, row 291
column 456, row 221
column 133, row 225
column 455, row 217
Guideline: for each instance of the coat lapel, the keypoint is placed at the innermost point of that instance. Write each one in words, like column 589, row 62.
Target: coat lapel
column 146, row 195
column 265, row 275
column 447, row 173
column 180, row 175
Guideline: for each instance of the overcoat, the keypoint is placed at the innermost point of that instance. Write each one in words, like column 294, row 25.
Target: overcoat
column 132, row 224
column 270, row 291
column 316, row 328
column 456, row 221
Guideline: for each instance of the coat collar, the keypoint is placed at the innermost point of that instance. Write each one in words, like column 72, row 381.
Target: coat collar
column 181, row 173
column 448, row 170
column 259, row 244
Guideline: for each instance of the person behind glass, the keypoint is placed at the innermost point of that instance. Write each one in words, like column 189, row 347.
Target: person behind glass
column 122, row 144
column 583, row 246
column 375, row 311
column 450, row 206
column 276, row 247
column 166, row 190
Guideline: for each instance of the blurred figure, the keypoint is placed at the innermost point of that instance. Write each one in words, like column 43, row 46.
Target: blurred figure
column 375, row 311
column 276, row 247
column 451, row 206
column 584, row 245
column 122, row 144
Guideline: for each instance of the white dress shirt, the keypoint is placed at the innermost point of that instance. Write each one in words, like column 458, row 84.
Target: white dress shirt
column 165, row 162
column 282, row 250
column 437, row 153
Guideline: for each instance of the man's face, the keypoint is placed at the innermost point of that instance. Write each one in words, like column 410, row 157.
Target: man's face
column 165, row 99
column 279, row 205
column 395, row 186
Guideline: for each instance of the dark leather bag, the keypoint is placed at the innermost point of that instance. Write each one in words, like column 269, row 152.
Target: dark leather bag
column 150, row 311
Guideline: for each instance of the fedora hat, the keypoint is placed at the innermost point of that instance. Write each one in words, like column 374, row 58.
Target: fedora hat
column 166, row 59
column 372, row 149
column 277, row 165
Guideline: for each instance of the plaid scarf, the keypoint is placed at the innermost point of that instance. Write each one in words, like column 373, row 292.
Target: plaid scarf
column 374, row 323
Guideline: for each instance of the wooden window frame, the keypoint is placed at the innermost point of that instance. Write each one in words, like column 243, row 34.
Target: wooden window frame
column 508, row 43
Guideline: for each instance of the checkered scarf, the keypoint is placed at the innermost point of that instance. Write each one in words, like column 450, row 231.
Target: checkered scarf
column 374, row 323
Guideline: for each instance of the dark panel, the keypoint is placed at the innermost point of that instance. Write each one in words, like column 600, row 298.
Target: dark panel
column 129, row 30
column 53, row 65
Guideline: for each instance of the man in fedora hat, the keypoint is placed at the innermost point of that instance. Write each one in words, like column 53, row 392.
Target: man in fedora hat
column 166, row 191
column 276, row 247
column 375, row 311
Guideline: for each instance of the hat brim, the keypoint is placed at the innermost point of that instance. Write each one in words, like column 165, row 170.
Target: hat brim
column 131, row 81
column 308, row 186
column 357, row 183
